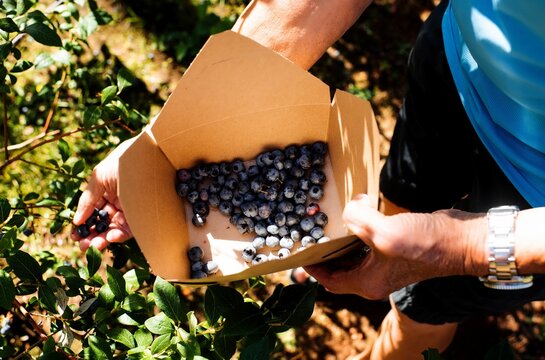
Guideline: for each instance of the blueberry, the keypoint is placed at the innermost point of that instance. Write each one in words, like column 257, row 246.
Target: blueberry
column 198, row 220
column 249, row 209
column 197, row 266
column 319, row 147
column 195, row 254
column 305, row 150
column 211, row 267
column 249, row 197
column 288, row 164
column 253, row 171
column 201, row 208
column 259, row 160
column 307, row 241
column 220, row 180
column 243, row 187
column 278, row 153
column 226, row 208
column 92, row 220
column 249, row 253
column 230, row 183
column 300, row 210
column 271, row 194
column 198, row 275
column 260, row 229
column 103, row 215
column 268, row 158
column 257, row 185
column 307, row 224
column 300, row 197
column 297, row 171
column 317, row 232
column 203, row 195
column 83, row 230
column 183, row 175
column 304, row 184
column 317, row 177
column 283, row 253
column 258, row 242
column 192, row 196
column 237, row 166
column 296, row 233
column 289, row 191
column 213, row 200
column 226, row 194
column 285, row 206
column 320, row 218
column 225, row 168
column 234, row 218
column 304, row 161
column 278, row 163
column 237, row 199
column 316, row 192
column 101, row 226
column 292, row 219
column 272, row 241
column 264, row 210
column 291, row 152
column 182, row 189
column 312, row 208
column 196, row 174
column 280, row 219
column 283, row 231
column 323, row 239
column 272, row 174
column 214, row 187
column 259, row 258
column 318, row 160
column 272, row 229
column 286, row 242
column 245, row 225
column 243, row 176
column 27, row 232
column 193, row 184
column 214, row 170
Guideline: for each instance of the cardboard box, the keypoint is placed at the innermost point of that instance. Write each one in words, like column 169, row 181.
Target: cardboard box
column 236, row 100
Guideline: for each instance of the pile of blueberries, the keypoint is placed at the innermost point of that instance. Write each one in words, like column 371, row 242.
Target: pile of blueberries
column 277, row 198
column 100, row 219
column 199, row 268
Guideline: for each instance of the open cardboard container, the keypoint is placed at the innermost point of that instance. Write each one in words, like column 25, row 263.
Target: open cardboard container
column 236, row 100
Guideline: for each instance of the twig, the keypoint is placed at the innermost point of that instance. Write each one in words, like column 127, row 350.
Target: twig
column 6, row 134
column 37, row 328
column 53, row 139
column 31, row 140
column 54, row 104
column 50, row 169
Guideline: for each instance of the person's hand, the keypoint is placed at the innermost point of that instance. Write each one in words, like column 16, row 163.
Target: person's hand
column 405, row 248
column 101, row 193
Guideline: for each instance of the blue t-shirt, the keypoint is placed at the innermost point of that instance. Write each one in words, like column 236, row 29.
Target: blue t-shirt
column 496, row 52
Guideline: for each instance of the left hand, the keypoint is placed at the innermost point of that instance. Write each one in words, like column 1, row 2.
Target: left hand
column 405, row 248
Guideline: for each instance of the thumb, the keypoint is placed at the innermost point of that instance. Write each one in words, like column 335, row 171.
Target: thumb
column 90, row 199
column 361, row 218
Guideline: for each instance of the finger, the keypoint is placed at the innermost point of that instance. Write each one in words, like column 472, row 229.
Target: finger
column 121, row 225
column 91, row 197
column 361, row 218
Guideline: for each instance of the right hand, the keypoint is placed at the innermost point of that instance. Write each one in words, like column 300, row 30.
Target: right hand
column 101, row 193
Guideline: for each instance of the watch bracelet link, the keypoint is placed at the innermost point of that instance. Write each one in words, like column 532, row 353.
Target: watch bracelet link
column 503, row 274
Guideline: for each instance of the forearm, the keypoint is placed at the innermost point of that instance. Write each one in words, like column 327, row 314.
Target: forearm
column 300, row 30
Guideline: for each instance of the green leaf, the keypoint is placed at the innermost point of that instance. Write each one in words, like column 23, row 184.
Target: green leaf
column 159, row 324
column 106, row 296
column 294, row 305
column 432, row 354
column 43, row 60
column 134, row 302
column 94, row 259
column 108, row 93
column 247, row 320
column 259, row 350
column 78, row 167
column 225, row 346
column 98, row 349
column 25, row 266
column 7, row 290
column 47, row 298
column 8, row 25
column 102, row 17
column 5, row 209
column 221, row 301
column 21, row 65
column 160, row 344
column 49, row 202
column 135, row 278
column 64, row 149
column 116, row 282
column 91, row 116
column 126, row 319
column 168, row 300
column 43, row 34
column 500, row 351
column 122, row 336
column 143, row 337
column 124, row 79
column 31, row 196
column 5, row 49
column 23, row 6
column 7, row 241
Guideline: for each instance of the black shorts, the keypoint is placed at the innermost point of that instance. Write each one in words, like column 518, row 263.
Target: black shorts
column 437, row 161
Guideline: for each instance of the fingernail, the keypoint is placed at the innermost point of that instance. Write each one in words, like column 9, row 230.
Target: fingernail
column 360, row 197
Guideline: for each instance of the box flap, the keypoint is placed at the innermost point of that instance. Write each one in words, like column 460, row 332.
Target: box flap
column 234, row 76
column 354, row 147
column 152, row 207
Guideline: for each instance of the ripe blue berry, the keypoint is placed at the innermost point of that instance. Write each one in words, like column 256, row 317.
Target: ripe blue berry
column 249, row 209
column 272, row 174
column 268, row 158
column 237, row 199
column 317, row 177
column 198, row 275
column 300, row 209
column 307, row 224
column 297, row 172
column 258, row 242
column 195, row 254
column 183, row 175
column 264, row 210
column 192, row 196
column 260, row 229
column 304, row 161
column 288, row 164
column 249, row 253
column 248, row 197
column 316, row 192
column 103, row 214
column 319, row 147
column 272, row 229
column 226, row 194
column 291, row 152
column 272, row 241
column 259, row 258
column 283, row 253
column 292, row 219
column 318, row 160
column 213, row 200
column 211, row 267
column 257, row 185
column 182, row 189
column 230, row 183
column 245, row 225
column 300, row 197
column 283, row 231
column 101, row 226
column 320, row 218
column 196, row 174
column 203, row 195
column 286, row 242
column 323, row 239
column 296, row 233
column 238, row 166
column 83, row 230
column 201, row 208
column 307, row 241
column 243, row 187
column 253, row 171
column 198, row 220
column 214, row 170
column 225, row 168
column 289, row 191
column 197, row 266
column 226, row 208
column 214, row 187
column 317, row 232
column 271, row 194
column 243, row 176
column 234, row 218
column 280, row 219
column 285, row 207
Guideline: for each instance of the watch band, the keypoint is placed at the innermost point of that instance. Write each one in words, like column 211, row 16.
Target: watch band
column 503, row 274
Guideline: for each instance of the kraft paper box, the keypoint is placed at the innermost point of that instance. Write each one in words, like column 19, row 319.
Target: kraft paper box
column 236, row 100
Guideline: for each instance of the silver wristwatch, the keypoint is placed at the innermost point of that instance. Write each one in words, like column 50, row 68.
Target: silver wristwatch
column 503, row 274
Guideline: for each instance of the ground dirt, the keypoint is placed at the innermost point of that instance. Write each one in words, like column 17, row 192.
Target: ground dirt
column 371, row 56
